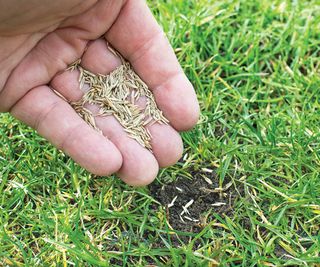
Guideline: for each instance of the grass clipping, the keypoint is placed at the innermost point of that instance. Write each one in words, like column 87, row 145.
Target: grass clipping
column 117, row 94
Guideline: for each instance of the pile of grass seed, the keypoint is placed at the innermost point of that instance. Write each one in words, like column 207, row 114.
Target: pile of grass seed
column 117, row 94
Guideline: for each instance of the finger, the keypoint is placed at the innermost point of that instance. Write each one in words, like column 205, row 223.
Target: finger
column 139, row 166
column 138, row 37
column 166, row 142
column 55, row 120
column 68, row 86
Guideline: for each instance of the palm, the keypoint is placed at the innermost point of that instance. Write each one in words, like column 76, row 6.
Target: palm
column 134, row 33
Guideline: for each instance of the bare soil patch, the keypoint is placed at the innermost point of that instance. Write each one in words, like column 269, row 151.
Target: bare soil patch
column 188, row 201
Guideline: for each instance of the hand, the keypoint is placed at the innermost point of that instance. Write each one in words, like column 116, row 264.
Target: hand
column 37, row 46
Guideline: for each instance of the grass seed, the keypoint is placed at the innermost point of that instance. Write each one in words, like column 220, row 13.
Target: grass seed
column 116, row 94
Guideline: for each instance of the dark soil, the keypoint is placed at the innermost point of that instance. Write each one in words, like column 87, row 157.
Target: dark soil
column 202, row 192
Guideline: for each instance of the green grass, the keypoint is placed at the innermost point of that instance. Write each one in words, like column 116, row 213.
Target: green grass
column 255, row 65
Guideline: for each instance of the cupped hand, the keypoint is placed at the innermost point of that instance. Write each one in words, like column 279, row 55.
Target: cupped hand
column 36, row 48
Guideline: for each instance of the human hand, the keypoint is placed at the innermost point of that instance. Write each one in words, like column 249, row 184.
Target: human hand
column 34, row 53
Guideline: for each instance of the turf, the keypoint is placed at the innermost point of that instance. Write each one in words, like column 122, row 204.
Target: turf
column 255, row 65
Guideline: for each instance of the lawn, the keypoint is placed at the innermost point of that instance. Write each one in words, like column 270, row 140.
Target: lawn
column 245, row 193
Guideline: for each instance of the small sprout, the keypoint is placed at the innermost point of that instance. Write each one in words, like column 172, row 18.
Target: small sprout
column 185, row 207
column 218, row 204
column 189, row 203
column 207, row 170
column 191, row 219
column 185, row 157
column 181, row 218
column 207, row 179
column 179, row 189
column 171, row 204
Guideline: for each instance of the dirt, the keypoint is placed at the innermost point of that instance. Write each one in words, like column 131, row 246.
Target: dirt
column 188, row 201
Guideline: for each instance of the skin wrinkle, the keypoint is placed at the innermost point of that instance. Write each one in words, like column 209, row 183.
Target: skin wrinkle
column 7, row 60
column 162, row 85
column 69, row 135
column 48, row 56
column 82, row 24
column 42, row 116
column 145, row 47
column 8, row 54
